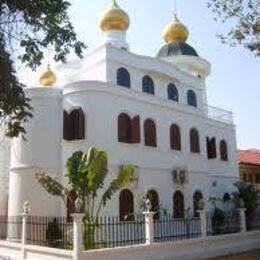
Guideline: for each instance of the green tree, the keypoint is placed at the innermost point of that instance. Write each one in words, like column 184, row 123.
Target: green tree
column 249, row 194
column 27, row 28
column 242, row 20
column 86, row 174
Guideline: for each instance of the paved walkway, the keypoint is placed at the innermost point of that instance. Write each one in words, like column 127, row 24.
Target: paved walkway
column 253, row 255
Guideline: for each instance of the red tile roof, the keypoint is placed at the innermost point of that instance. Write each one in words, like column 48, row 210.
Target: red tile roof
column 251, row 156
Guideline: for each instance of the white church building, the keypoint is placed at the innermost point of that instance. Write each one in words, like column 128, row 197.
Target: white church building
column 148, row 111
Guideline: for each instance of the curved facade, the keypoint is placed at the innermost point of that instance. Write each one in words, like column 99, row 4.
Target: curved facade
column 92, row 87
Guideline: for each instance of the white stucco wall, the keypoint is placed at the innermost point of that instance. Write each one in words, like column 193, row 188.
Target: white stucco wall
column 155, row 164
column 41, row 152
column 92, row 86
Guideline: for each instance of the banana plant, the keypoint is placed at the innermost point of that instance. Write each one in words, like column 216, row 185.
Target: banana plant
column 86, row 174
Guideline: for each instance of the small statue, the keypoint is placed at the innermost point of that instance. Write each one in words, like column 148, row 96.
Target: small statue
column 201, row 204
column 78, row 205
column 26, row 207
column 148, row 205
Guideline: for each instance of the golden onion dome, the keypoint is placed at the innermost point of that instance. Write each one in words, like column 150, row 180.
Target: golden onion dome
column 175, row 31
column 114, row 18
column 48, row 78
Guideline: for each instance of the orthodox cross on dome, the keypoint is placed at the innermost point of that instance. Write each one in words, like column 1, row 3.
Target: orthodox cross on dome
column 175, row 7
column 114, row 3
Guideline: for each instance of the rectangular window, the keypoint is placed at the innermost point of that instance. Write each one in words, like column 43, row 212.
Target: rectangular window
column 257, row 178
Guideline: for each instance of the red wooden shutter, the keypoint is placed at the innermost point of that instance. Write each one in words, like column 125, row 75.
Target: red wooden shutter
column 194, row 141
column 65, row 125
column 135, row 133
column 124, row 128
column 126, row 205
column 150, row 133
column 81, row 125
column 175, row 137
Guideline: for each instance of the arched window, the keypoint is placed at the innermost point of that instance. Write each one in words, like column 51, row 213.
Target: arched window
column 135, row 130
column 78, row 123
column 154, row 199
column 191, row 98
column 123, row 78
column 148, row 85
column 150, row 133
column 124, row 128
column 223, row 150
column 173, row 93
column 194, row 141
column 178, row 205
column 126, row 205
column 175, row 137
column 211, row 148
column 74, row 125
column 197, row 197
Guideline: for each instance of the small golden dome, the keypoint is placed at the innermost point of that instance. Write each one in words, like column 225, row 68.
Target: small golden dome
column 114, row 18
column 175, row 31
column 48, row 78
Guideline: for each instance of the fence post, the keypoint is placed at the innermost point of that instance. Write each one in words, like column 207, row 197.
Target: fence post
column 203, row 222
column 149, row 227
column 242, row 219
column 25, row 214
column 77, row 235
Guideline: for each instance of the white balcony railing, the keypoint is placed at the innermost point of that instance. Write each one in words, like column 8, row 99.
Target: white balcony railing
column 220, row 114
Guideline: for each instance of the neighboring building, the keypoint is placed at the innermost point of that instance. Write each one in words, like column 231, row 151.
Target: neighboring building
column 151, row 112
column 249, row 166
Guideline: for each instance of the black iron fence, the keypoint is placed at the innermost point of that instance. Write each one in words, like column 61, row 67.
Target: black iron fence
column 54, row 232
column 110, row 232
column 11, row 228
column 168, row 228
column 220, row 222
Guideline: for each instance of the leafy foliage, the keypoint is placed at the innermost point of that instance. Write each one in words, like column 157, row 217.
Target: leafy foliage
column 14, row 106
column 86, row 174
column 248, row 194
column 30, row 27
column 51, row 185
column 242, row 19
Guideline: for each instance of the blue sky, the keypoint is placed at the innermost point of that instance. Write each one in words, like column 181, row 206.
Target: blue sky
column 235, row 80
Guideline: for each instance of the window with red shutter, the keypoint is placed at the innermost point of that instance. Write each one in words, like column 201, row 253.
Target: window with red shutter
column 194, row 141
column 124, row 128
column 223, row 150
column 196, row 200
column 150, row 133
column 66, row 130
column 135, row 130
column 178, row 205
column 126, row 205
column 74, row 125
column 211, row 148
column 175, row 137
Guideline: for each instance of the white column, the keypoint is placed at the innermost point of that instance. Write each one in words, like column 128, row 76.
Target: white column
column 41, row 152
column 116, row 38
column 24, row 236
column 242, row 219
column 203, row 222
column 77, row 235
column 149, row 227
